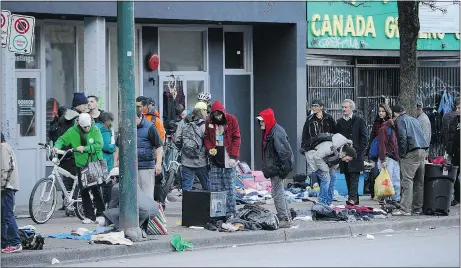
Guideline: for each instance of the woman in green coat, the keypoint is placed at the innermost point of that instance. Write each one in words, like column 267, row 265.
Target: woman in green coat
column 87, row 142
column 108, row 149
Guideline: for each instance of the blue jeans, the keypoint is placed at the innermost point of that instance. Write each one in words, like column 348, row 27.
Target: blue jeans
column 393, row 168
column 327, row 187
column 188, row 176
column 10, row 232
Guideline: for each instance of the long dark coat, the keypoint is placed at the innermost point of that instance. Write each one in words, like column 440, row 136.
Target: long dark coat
column 357, row 132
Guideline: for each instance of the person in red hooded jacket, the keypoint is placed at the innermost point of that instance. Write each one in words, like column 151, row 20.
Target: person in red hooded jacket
column 278, row 161
column 222, row 141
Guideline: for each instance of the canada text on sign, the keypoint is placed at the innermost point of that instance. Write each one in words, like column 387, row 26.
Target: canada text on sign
column 5, row 22
column 21, row 34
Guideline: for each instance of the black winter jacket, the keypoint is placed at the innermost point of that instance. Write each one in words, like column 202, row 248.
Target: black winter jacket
column 356, row 130
column 314, row 126
column 278, row 160
column 410, row 135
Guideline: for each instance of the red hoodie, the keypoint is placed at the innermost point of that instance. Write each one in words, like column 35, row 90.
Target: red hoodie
column 231, row 132
column 269, row 119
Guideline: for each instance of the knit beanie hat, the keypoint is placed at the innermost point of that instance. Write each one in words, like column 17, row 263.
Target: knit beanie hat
column 79, row 99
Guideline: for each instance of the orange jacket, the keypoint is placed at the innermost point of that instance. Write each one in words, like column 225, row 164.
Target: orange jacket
column 148, row 114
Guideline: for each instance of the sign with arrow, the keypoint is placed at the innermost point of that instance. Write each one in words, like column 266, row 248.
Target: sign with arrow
column 21, row 34
column 5, row 23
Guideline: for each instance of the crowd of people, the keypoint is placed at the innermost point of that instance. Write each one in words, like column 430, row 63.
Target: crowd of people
column 398, row 142
column 209, row 140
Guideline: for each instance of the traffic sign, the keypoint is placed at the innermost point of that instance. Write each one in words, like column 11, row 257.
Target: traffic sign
column 21, row 34
column 5, row 22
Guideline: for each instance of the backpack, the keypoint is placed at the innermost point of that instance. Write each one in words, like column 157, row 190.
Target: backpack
column 191, row 140
column 374, row 146
column 314, row 141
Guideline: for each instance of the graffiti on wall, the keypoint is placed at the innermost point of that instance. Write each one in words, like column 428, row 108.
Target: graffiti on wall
column 431, row 88
column 340, row 42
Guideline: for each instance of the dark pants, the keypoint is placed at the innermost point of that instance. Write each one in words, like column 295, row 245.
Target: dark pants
column 352, row 183
column 98, row 201
column 10, row 232
column 106, row 192
column 374, row 172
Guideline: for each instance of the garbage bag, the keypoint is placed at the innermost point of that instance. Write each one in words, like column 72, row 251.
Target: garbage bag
column 383, row 185
column 254, row 213
column 180, row 245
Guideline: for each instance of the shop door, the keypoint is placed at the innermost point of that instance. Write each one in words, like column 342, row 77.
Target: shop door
column 187, row 86
column 28, row 132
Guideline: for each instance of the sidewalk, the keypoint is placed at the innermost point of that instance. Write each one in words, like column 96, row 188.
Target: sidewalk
column 74, row 250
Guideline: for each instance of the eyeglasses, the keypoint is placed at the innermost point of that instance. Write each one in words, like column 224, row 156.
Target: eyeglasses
column 315, row 106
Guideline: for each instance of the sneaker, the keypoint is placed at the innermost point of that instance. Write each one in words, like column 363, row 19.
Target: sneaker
column 12, row 249
column 417, row 212
column 88, row 221
column 399, row 212
column 284, row 224
column 101, row 221
column 454, row 203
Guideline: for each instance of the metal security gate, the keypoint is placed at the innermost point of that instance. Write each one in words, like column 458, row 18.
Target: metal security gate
column 371, row 84
column 332, row 84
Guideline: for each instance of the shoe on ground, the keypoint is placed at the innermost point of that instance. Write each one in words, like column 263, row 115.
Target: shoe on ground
column 454, row 203
column 417, row 213
column 210, row 226
column 400, row 212
column 284, row 224
column 12, row 249
column 101, row 221
column 88, row 221
column 62, row 208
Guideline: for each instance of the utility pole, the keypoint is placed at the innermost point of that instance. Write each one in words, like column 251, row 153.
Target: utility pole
column 129, row 222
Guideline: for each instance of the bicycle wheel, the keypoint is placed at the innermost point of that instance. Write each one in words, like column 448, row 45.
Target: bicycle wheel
column 46, row 190
column 79, row 210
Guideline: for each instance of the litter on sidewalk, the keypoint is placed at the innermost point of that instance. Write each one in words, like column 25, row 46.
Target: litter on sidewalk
column 115, row 238
column 180, row 245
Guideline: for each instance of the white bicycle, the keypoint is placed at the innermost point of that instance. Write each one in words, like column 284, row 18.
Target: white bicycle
column 46, row 189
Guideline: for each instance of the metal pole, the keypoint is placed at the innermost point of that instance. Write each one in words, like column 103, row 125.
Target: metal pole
column 129, row 222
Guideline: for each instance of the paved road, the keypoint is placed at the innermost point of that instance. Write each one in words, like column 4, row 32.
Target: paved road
column 431, row 248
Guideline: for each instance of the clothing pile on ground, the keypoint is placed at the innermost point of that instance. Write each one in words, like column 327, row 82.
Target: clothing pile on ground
column 320, row 212
column 250, row 217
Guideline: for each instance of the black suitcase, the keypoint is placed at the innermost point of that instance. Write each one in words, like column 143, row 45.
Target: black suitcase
column 201, row 207
column 438, row 188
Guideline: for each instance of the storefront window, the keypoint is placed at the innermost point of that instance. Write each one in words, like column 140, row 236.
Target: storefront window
column 193, row 88
column 31, row 61
column 182, row 51
column 234, row 54
column 112, row 62
column 81, row 59
column 60, row 51
column 26, row 90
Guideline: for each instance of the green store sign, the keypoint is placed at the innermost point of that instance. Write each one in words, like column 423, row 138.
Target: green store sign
column 364, row 25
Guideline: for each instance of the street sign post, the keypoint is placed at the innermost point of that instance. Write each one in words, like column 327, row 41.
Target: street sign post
column 21, row 34
column 5, row 23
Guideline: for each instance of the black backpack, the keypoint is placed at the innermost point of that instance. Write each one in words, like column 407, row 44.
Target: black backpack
column 314, row 141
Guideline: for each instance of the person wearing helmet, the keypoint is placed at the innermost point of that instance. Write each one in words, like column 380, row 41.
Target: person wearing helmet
column 206, row 98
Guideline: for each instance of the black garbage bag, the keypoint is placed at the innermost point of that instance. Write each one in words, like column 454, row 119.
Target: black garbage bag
column 322, row 212
column 259, row 215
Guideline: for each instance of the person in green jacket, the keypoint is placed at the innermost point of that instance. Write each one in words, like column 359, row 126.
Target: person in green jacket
column 87, row 142
column 108, row 149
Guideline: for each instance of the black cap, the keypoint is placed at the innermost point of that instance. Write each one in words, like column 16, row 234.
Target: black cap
column 318, row 102
column 398, row 108
column 419, row 104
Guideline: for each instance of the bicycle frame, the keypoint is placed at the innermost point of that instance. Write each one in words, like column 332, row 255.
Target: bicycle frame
column 171, row 156
column 56, row 175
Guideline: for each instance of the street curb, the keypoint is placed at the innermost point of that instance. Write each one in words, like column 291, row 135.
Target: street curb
column 162, row 245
